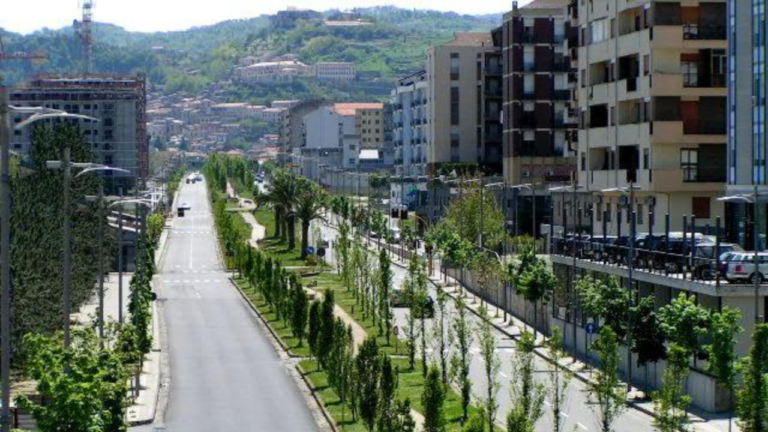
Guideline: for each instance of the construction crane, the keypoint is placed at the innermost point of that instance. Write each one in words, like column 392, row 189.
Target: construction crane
column 84, row 29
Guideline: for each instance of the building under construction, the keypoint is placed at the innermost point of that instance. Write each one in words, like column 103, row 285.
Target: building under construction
column 119, row 139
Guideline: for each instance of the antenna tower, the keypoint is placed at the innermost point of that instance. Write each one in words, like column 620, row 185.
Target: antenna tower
column 85, row 30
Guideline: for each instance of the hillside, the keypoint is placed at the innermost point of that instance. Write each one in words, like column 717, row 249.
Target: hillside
column 393, row 45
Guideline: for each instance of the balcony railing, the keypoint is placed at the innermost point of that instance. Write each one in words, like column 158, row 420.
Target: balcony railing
column 700, row 32
column 704, row 127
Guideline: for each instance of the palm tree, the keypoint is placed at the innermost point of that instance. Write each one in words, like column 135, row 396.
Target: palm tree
column 310, row 205
column 282, row 195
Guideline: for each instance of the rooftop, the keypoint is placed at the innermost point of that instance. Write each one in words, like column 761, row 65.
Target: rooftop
column 470, row 39
column 351, row 108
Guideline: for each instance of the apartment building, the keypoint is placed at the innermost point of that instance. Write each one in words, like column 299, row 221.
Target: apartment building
column 747, row 120
column 335, row 71
column 538, row 120
column 369, row 121
column 464, row 102
column 409, row 125
column 272, row 72
column 652, row 110
column 119, row 139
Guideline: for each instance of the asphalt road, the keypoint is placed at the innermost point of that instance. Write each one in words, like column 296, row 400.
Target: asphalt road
column 225, row 373
column 578, row 414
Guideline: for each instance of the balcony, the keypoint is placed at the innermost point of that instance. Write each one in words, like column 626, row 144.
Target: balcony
column 704, row 32
column 704, row 127
column 673, row 180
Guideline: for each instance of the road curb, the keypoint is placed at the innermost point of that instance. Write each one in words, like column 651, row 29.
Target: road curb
column 263, row 320
column 320, row 403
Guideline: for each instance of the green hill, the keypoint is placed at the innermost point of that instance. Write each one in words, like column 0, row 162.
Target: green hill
column 392, row 46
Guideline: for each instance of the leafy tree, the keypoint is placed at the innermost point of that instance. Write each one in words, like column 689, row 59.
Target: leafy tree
column 528, row 395
column 385, row 281
column 752, row 397
column 442, row 334
column 463, row 216
column 404, row 421
column 670, row 403
column 535, row 284
column 388, row 388
column 559, row 378
column 368, row 365
column 299, row 317
column 684, row 322
column 476, row 423
column 722, row 349
column 326, row 328
column 606, row 301
column 433, row 399
column 315, row 324
column 84, row 388
column 607, row 398
column 647, row 337
column 461, row 359
column 491, row 366
column 310, row 205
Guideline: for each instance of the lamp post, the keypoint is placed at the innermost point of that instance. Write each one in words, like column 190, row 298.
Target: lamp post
column 630, row 265
column 38, row 113
column 121, row 202
column 66, row 165
column 752, row 198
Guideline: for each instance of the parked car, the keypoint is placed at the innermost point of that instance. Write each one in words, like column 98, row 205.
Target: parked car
column 704, row 263
column 599, row 246
column 741, row 267
column 399, row 299
column 185, row 206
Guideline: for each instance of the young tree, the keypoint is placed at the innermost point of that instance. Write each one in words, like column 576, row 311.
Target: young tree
column 684, row 322
column 299, row 316
column 433, row 399
column 420, row 298
column 442, row 335
column 476, row 422
column 722, row 350
column 491, row 364
column 325, row 345
column 388, row 388
column 313, row 338
column 528, row 395
column 404, row 421
column 368, row 368
column 608, row 400
column 647, row 337
column 606, row 301
column 752, row 398
column 559, row 378
column 535, row 284
column 670, row 403
column 460, row 361
column 385, row 281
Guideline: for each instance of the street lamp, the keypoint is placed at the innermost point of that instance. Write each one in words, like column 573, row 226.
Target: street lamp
column 87, row 167
column 752, row 198
column 38, row 113
column 624, row 190
column 120, row 203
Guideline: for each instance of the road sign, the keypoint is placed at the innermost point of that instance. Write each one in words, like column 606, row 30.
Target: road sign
column 311, row 250
column 321, row 252
column 591, row 328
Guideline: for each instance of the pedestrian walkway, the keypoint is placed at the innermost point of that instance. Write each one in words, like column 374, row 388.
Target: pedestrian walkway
column 258, row 232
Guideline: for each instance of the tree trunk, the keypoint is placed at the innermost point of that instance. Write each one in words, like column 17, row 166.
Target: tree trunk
column 291, row 233
column 278, row 222
column 304, row 238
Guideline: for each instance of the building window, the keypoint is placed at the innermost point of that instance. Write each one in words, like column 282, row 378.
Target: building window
column 599, row 212
column 689, row 163
column 646, row 158
column 646, row 64
column 455, row 66
column 689, row 67
column 583, row 161
column 701, row 207
column 454, row 106
column 599, row 30
column 608, row 214
column 640, row 214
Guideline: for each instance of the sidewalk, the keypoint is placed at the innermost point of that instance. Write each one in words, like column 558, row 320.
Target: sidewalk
column 513, row 328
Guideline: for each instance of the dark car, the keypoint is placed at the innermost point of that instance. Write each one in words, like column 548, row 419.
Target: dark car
column 704, row 263
column 399, row 299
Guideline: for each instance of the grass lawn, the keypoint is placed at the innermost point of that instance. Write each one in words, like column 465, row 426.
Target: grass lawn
column 410, row 386
column 276, row 247
column 280, row 326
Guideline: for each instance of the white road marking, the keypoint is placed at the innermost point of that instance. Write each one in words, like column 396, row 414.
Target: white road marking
column 581, row 426
column 564, row 415
column 547, row 404
column 505, row 376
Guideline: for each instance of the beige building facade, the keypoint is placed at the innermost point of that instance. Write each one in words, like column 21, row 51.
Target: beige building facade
column 652, row 110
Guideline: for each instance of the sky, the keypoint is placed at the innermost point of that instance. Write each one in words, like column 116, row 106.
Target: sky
column 26, row 16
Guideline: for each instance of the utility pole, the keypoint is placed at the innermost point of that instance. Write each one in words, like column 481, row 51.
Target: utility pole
column 67, row 243
column 5, row 257
column 120, row 265
column 101, row 263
